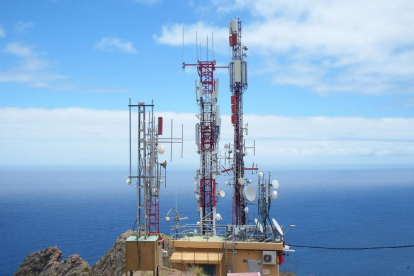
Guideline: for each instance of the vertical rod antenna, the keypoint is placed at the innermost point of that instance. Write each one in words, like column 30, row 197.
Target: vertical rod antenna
column 175, row 184
column 196, row 46
column 182, row 139
column 207, row 48
column 212, row 43
column 130, row 158
column 183, row 49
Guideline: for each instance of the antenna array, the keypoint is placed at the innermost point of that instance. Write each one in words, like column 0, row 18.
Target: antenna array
column 207, row 134
column 150, row 173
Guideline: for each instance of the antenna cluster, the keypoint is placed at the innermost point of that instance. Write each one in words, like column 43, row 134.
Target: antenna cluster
column 207, row 136
column 149, row 172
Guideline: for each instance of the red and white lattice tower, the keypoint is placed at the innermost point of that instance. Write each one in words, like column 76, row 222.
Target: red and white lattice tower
column 207, row 139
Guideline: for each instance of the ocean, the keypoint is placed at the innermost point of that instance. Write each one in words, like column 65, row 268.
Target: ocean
column 84, row 209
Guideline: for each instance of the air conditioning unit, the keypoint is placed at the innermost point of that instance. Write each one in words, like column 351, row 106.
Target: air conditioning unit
column 269, row 257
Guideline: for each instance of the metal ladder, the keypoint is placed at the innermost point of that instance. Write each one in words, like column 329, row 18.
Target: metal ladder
column 142, row 148
column 229, row 258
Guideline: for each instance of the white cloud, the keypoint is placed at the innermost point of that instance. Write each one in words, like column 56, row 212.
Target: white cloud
column 36, row 71
column 32, row 70
column 88, row 136
column 2, row 32
column 21, row 27
column 329, row 46
column 112, row 44
column 336, row 137
column 18, row 49
column 173, row 34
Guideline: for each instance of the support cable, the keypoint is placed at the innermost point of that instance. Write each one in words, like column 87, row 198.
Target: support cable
column 353, row 248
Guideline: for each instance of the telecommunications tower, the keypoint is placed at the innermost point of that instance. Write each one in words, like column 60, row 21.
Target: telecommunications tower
column 238, row 84
column 148, row 173
column 207, row 134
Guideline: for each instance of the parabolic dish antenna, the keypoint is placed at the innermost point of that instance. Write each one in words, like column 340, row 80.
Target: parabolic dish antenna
column 249, row 193
column 222, row 193
column 275, row 184
column 260, row 174
column 160, row 149
column 218, row 217
column 273, row 195
column 258, row 225
column 241, row 181
column 277, row 226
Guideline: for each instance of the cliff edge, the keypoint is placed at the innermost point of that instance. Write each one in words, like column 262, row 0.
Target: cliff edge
column 48, row 262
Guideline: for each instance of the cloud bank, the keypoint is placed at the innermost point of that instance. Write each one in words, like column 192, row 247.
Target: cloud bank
column 329, row 46
column 89, row 136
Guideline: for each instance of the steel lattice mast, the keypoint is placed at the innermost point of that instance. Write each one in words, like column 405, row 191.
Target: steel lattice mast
column 149, row 172
column 207, row 140
column 238, row 84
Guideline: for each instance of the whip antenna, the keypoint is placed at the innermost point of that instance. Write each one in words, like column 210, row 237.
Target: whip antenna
column 196, row 46
column 183, row 51
column 212, row 43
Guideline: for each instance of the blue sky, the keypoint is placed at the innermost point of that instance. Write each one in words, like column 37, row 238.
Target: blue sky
column 335, row 79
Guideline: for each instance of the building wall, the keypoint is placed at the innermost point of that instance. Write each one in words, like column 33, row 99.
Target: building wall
column 240, row 261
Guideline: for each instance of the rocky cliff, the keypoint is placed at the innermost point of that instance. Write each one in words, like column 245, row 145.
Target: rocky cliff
column 48, row 262
column 113, row 262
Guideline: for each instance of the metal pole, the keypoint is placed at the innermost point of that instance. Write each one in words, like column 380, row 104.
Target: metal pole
column 130, row 158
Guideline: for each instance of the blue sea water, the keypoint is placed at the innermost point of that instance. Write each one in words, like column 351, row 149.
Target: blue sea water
column 83, row 210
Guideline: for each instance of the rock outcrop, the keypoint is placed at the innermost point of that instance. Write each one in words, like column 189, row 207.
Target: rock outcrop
column 113, row 262
column 73, row 265
column 37, row 261
column 48, row 262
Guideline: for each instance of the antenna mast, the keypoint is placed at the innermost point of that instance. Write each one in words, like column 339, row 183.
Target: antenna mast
column 238, row 84
column 207, row 139
column 150, row 173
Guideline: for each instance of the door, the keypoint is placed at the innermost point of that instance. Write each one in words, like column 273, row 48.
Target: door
column 254, row 266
